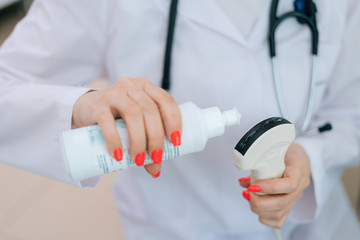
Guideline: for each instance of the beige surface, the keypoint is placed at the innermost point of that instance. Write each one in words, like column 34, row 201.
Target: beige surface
column 36, row 208
column 351, row 181
column 32, row 207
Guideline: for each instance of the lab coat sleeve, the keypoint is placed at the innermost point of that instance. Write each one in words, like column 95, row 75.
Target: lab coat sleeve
column 53, row 51
column 331, row 152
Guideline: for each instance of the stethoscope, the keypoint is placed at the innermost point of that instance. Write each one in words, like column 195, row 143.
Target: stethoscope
column 305, row 13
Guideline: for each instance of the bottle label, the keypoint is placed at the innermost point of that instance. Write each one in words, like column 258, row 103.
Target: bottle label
column 88, row 155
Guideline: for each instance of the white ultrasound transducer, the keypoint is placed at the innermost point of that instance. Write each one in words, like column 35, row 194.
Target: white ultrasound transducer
column 262, row 150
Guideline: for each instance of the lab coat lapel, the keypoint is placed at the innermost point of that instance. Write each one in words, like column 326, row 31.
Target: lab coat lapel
column 208, row 14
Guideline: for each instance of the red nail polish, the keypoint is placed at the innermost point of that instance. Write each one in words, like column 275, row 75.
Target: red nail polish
column 254, row 188
column 140, row 159
column 244, row 179
column 176, row 138
column 246, row 195
column 156, row 156
column 118, row 154
column 157, row 175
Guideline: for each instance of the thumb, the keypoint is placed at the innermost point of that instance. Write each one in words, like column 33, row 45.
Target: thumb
column 153, row 169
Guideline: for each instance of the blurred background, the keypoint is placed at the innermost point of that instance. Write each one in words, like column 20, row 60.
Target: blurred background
column 33, row 207
column 36, row 208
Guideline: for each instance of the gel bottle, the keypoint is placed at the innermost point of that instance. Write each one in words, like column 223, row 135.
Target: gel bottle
column 86, row 155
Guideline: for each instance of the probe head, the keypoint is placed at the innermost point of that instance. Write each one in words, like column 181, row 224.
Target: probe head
column 262, row 144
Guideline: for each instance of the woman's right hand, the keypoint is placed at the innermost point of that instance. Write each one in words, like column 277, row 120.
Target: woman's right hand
column 149, row 112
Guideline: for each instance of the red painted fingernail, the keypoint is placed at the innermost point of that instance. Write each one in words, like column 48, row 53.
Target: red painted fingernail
column 176, row 138
column 156, row 175
column 246, row 195
column 140, row 159
column 244, row 179
column 254, row 188
column 118, row 154
column 156, row 156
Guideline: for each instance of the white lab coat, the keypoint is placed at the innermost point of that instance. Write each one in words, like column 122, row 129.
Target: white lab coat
column 63, row 44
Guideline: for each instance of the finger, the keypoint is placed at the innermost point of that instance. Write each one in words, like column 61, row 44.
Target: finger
column 277, row 224
column 153, row 124
column 278, row 186
column 295, row 154
column 244, row 182
column 133, row 117
column 169, row 111
column 107, row 126
column 153, row 169
column 271, row 203
column 274, row 215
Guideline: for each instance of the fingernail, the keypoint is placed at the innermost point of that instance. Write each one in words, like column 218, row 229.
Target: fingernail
column 176, row 138
column 156, row 175
column 254, row 188
column 246, row 195
column 156, row 156
column 244, row 179
column 140, row 159
column 118, row 154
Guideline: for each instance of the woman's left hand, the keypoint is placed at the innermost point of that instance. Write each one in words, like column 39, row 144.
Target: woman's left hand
column 273, row 209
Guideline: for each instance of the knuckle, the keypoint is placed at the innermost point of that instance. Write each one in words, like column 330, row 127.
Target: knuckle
column 278, row 216
column 143, row 80
column 100, row 118
column 151, row 107
column 124, row 80
column 283, row 203
column 131, row 110
column 109, row 95
column 252, row 208
column 293, row 186
column 262, row 220
column 164, row 97
column 101, row 115
column 170, row 117
column 256, row 204
column 147, row 83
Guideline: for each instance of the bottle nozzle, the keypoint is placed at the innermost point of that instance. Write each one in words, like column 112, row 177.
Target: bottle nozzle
column 231, row 117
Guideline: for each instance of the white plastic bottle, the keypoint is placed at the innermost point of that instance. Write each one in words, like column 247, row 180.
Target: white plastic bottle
column 86, row 155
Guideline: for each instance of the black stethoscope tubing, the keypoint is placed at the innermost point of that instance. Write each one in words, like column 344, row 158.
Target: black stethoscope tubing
column 274, row 23
column 169, row 45
column 309, row 20
column 308, row 17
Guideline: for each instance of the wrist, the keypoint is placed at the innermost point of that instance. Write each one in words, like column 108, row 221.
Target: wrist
column 77, row 108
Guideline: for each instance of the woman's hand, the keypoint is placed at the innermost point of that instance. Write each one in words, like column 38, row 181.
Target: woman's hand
column 274, row 208
column 150, row 113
